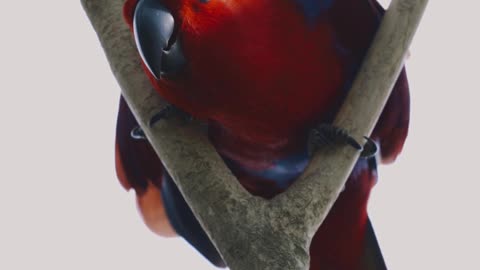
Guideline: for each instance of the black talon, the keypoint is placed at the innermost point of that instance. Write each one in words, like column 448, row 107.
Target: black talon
column 137, row 133
column 163, row 114
column 326, row 134
column 369, row 149
column 167, row 112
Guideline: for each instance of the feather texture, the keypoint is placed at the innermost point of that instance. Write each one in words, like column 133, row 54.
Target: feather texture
column 262, row 73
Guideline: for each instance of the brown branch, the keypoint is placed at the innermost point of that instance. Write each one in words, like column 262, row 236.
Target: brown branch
column 250, row 232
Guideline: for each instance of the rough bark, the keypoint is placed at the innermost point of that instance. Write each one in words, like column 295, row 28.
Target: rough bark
column 250, row 232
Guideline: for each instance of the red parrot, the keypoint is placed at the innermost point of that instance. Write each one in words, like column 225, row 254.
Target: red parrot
column 263, row 74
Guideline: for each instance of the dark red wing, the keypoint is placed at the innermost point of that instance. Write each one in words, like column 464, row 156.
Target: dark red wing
column 136, row 162
column 392, row 127
column 355, row 23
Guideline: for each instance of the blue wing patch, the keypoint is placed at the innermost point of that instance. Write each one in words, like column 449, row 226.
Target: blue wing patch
column 313, row 8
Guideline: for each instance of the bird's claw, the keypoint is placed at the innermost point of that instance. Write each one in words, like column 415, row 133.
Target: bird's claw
column 325, row 135
column 370, row 148
column 167, row 112
column 137, row 133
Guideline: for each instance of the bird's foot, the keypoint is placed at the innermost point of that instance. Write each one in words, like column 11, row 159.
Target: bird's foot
column 326, row 135
column 167, row 112
column 137, row 133
column 370, row 148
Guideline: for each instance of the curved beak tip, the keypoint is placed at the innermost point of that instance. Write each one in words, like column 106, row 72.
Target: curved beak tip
column 153, row 26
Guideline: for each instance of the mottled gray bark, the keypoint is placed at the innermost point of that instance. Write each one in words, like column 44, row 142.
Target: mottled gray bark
column 250, row 232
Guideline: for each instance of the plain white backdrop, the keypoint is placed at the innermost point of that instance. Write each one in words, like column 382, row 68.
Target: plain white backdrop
column 61, row 206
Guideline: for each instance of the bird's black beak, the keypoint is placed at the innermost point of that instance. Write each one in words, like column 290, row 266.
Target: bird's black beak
column 153, row 28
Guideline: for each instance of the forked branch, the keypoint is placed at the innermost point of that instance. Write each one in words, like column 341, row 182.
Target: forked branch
column 250, row 232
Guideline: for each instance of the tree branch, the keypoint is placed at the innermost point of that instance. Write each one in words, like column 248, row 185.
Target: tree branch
column 326, row 174
column 250, row 232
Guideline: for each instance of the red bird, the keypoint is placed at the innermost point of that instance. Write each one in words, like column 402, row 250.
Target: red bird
column 263, row 74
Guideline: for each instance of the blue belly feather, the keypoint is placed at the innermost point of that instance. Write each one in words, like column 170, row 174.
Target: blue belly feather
column 313, row 8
